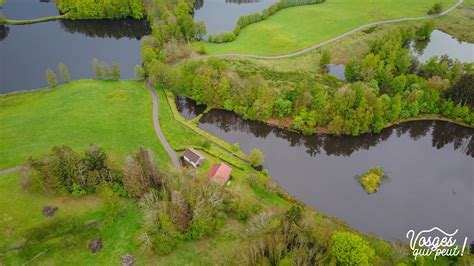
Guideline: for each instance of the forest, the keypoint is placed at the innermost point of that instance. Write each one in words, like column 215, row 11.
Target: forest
column 386, row 86
column 93, row 9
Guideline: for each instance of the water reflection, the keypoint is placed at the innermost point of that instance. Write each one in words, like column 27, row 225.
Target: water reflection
column 123, row 28
column 188, row 109
column 337, row 70
column 440, row 44
column 3, row 32
column 222, row 15
column 442, row 133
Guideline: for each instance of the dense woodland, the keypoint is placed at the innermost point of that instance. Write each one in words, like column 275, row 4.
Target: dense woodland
column 385, row 86
column 99, row 9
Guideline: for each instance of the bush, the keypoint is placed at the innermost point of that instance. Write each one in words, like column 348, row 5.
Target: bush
column 256, row 157
column 372, row 179
column 436, row 8
column 64, row 72
column 139, row 72
column 350, row 249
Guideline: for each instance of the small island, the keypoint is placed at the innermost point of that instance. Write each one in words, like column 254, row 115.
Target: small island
column 372, row 179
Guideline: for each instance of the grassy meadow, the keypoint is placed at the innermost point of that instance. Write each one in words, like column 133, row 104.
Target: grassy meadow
column 295, row 28
column 116, row 115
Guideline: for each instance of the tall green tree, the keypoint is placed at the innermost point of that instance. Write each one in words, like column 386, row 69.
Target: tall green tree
column 115, row 72
column 51, row 78
column 63, row 72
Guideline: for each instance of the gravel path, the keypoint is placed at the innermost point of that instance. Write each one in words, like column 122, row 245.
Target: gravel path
column 10, row 170
column 316, row 46
column 156, row 125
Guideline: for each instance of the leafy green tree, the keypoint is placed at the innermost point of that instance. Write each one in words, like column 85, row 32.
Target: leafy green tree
column 139, row 72
column 200, row 30
column 352, row 71
column 463, row 90
column 115, row 73
column 256, row 157
column 325, row 58
column 350, row 249
column 436, row 8
column 424, row 32
column 282, row 108
column 185, row 20
column 63, row 72
column 51, row 78
column 97, row 68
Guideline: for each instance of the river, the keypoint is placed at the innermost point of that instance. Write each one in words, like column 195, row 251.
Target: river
column 429, row 164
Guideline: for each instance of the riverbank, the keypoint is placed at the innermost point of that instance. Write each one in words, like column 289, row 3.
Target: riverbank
column 296, row 28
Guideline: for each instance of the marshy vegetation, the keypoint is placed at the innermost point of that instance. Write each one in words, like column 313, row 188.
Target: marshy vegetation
column 372, row 179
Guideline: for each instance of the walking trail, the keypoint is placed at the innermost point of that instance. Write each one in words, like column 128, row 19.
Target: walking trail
column 156, row 126
column 316, row 46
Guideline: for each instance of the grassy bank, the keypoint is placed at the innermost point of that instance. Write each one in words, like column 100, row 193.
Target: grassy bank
column 32, row 21
column 116, row 115
column 296, row 28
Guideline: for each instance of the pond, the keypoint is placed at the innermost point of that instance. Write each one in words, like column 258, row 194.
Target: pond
column 222, row 15
column 438, row 44
column 429, row 164
column 27, row 50
column 441, row 43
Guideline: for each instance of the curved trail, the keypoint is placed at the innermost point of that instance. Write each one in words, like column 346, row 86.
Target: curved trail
column 10, row 170
column 156, row 126
column 316, row 46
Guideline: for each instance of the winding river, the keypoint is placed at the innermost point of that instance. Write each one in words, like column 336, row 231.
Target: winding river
column 430, row 167
column 27, row 50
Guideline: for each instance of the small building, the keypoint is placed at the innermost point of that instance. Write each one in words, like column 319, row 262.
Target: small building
column 193, row 157
column 219, row 173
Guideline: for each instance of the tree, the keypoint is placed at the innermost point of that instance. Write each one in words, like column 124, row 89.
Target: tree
column 51, row 78
column 115, row 73
column 63, row 72
column 139, row 72
column 436, row 8
column 352, row 71
column 180, row 211
column 200, row 30
column 463, row 90
column 350, row 249
column 96, row 66
column 141, row 173
column 325, row 58
column 424, row 32
column 256, row 157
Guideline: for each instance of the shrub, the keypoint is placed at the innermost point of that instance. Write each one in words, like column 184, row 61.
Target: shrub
column 115, row 73
column 435, row 9
column 256, row 157
column 350, row 249
column 372, row 179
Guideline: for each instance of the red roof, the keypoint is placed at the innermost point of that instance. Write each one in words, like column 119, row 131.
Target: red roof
column 219, row 173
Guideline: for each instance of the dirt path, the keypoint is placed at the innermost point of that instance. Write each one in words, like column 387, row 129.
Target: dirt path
column 316, row 46
column 10, row 170
column 156, row 125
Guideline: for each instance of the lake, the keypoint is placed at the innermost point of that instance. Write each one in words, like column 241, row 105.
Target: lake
column 222, row 15
column 27, row 50
column 430, row 167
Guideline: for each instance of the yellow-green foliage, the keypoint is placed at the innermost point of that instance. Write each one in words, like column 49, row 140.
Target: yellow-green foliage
column 372, row 179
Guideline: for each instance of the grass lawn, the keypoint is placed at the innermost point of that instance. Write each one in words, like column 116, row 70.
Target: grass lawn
column 457, row 23
column 116, row 115
column 295, row 28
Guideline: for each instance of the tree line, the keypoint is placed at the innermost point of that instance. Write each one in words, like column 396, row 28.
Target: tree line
column 101, row 9
column 385, row 86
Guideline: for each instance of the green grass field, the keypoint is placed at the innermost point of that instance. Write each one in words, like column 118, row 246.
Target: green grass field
column 116, row 115
column 295, row 28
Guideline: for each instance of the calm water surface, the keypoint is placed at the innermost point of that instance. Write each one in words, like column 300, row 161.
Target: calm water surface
column 430, row 167
column 27, row 50
column 222, row 15
column 441, row 43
